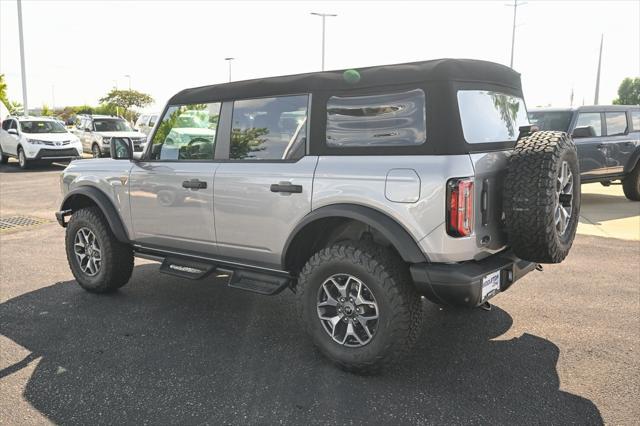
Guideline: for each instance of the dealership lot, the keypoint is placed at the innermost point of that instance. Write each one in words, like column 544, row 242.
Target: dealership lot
column 560, row 347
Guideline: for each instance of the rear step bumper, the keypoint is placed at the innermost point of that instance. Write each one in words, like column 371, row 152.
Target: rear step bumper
column 461, row 284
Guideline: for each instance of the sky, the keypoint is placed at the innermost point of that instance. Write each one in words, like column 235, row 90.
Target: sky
column 76, row 51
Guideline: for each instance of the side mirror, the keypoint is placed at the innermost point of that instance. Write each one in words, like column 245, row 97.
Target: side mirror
column 13, row 132
column 121, row 149
column 583, row 132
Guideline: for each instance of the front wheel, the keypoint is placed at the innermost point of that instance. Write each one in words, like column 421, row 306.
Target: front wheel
column 22, row 159
column 359, row 306
column 3, row 158
column 631, row 184
column 99, row 262
column 95, row 151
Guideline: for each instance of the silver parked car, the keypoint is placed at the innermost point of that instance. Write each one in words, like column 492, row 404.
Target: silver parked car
column 146, row 122
column 361, row 191
column 96, row 131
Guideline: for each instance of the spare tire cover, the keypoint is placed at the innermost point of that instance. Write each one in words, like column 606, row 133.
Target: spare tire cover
column 541, row 197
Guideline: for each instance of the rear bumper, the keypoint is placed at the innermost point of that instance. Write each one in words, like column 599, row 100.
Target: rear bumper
column 461, row 283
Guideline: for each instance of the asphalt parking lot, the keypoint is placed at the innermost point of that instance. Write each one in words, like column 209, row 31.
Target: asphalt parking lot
column 560, row 347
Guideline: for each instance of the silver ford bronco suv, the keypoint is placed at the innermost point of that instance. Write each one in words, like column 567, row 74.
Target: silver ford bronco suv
column 362, row 191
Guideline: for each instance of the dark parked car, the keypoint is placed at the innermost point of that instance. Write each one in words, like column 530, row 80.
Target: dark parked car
column 608, row 141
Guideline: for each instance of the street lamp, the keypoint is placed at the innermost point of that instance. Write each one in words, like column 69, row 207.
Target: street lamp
column 229, row 61
column 22, row 66
column 324, row 16
column 513, row 29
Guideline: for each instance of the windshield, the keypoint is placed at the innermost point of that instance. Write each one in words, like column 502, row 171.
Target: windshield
column 551, row 120
column 111, row 125
column 44, row 126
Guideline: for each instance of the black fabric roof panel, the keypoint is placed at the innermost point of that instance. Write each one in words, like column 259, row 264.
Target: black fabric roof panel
column 468, row 70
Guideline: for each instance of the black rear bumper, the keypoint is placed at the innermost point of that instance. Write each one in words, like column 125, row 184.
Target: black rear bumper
column 461, row 283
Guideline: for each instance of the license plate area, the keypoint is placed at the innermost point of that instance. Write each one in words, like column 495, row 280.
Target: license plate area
column 490, row 285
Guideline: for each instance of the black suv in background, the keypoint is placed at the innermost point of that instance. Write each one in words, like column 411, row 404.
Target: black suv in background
column 607, row 138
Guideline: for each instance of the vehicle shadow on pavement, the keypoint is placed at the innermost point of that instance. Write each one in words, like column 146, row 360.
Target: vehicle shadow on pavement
column 13, row 167
column 602, row 207
column 170, row 351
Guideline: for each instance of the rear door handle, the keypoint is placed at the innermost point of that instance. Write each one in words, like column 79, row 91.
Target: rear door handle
column 286, row 188
column 194, row 184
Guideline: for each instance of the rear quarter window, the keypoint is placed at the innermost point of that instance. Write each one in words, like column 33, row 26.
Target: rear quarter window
column 489, row 116
column 635, row 120
column 385, row 119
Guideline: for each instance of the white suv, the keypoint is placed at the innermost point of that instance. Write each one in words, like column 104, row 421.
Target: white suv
column 37, row 138
column 96, row 131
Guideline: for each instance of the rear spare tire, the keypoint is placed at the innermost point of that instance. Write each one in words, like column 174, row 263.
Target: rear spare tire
column 542, row 197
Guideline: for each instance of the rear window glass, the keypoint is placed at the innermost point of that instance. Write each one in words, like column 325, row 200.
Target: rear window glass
column 616, row 123
column 389, row 119
column 490, row 116
column 635, row 120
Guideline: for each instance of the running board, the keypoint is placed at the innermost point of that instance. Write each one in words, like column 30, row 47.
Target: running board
column 186, row 268
column 258, row 282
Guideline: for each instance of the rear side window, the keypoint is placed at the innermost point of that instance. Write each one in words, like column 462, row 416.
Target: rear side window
column 269, row 128
column 388, row 119
column 186, row 133
column 616, row 123
column 488, row 116
column 590, row 119
column 635, row 120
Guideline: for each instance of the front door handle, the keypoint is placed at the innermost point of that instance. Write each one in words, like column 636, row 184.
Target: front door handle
column 286, row 187
column 194, row 184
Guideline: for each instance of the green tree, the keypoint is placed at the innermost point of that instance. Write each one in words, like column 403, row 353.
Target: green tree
column 126, row 99
column 15, row 107
column 247, row 141
column 628, row 92
column 46, row 111
column 3, row 91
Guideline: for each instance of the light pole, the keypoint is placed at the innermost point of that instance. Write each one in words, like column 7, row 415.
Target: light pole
column 24, row 72
column 129, row 77
column 229, row 61
column 324, row 17
column 513, row 30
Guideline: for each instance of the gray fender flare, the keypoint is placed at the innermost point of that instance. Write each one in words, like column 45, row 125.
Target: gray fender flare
column 103, row 202
column 397, row 235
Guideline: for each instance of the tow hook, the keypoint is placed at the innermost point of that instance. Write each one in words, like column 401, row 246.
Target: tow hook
column 486, row 306
column 539, row 267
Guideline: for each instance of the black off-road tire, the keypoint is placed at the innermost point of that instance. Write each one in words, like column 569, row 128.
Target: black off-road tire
column 530, row 197
column 387, row 276
column 631, row 184
column 95, row 151
column 117, row 257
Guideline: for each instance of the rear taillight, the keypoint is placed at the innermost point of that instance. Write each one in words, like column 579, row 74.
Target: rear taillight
column 460, row 207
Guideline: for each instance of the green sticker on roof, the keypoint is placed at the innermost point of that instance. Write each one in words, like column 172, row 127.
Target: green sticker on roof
column 351, row 76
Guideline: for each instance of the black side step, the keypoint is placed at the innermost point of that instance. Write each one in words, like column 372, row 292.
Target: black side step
column 259, row 282
column 186, row 268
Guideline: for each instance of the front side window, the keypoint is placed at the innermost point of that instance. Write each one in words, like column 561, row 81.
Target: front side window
column 110, row 125
column 187, row 132
column 42, row 126
column 269, row 128
column 592, row 120
column 389, row 119
column 6, row 124
column 616, row 123
column 489, row 116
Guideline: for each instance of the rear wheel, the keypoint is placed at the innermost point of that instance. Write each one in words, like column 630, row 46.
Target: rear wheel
column 99, row 262
column 542, row 197
column 631, row 184
column 359, row 306
column 22, row 159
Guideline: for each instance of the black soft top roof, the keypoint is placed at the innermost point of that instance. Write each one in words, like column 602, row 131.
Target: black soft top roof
column 439, row 70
